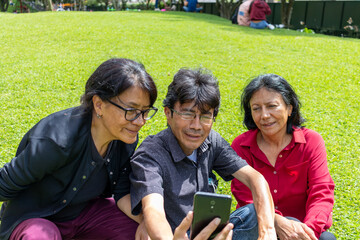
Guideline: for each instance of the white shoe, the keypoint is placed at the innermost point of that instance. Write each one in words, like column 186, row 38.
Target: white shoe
column 173, row 8
column 271, row 27
column 157, row 9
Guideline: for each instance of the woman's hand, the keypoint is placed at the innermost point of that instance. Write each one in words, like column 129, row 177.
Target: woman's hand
column 181, row 231
column 287, row 229
column 141, row 232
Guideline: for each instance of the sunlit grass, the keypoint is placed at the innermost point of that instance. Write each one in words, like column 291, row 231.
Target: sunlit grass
column 46, row 58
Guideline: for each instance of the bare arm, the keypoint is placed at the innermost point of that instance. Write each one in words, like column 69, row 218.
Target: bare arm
column 124, row 204
column 263, row 201
column 288, row 229
column 155, row 218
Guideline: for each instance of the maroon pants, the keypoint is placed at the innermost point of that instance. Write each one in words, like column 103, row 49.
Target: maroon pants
column 101, row 219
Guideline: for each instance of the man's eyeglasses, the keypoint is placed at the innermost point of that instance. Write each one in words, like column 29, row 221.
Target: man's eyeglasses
column 204, row 118
column 132, row 113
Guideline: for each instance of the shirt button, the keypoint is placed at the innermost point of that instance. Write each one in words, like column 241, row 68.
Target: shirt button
column 276, row 207
column 108, row 160
column 111, row 173
column 275, row 191
column 64, row 201
column 84, row 177
column 74, row 189
column 275, row 172
column 280, row 156
column 114, row 182
column 93, row 163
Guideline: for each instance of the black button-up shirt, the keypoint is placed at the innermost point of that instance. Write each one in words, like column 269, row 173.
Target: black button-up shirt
column 160, row 166
column 53, row 162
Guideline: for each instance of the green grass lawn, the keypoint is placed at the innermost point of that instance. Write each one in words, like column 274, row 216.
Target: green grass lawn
column 46, row 58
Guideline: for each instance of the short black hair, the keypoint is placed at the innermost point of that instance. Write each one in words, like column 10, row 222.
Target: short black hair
column 113, row 77
column 194, row 85
column 272, row 82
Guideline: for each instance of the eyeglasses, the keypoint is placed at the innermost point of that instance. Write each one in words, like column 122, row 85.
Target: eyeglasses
column 206, row 119
column 132, row 113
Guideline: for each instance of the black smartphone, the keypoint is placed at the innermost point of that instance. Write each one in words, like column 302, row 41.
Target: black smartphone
column 208, row 206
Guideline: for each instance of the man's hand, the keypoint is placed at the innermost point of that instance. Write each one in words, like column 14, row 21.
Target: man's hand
column 181, row 230
column 289, row 229
column 141, row 232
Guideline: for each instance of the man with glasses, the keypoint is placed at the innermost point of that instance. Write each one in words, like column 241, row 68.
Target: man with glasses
column 171, row 166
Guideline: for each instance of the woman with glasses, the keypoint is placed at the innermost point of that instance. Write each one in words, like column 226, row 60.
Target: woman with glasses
column 70, row 176
column 291, row 157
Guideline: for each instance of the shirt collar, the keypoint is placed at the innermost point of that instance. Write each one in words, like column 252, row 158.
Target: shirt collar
column 298, row 137
column 175, row 149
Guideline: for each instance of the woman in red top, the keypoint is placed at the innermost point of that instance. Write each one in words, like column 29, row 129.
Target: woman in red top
column 290, row 157
column 258, row 11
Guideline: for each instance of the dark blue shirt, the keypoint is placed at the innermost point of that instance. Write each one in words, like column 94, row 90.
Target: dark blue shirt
column 160, row 166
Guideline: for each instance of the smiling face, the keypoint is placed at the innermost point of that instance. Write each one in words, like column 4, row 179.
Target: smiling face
column 190, row 134
column 269, row 112
column 113, row 123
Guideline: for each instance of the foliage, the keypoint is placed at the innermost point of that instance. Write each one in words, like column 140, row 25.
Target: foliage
column 227, row 7
column 4, row 4
column 286, row 11
column 47, row 57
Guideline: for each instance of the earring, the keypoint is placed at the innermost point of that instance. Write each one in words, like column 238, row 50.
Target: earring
column 98, row 115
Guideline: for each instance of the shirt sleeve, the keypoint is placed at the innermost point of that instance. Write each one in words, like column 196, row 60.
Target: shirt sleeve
column 267, row 9
column 38, row 158
column 226, row 162
column 320, row 189
column 146, row 178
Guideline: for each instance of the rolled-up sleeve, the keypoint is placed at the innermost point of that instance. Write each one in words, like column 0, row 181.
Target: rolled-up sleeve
column 146, row 178
column 320, row 190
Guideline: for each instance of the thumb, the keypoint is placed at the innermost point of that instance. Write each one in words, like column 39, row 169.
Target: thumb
column 184, row 225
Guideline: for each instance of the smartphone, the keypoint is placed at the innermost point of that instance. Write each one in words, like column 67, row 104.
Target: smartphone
column 208, row 206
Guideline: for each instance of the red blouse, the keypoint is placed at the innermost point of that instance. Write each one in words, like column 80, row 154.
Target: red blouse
column 300, row 182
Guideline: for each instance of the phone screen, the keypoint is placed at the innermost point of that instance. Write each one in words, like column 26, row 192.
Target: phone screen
column 208, row 206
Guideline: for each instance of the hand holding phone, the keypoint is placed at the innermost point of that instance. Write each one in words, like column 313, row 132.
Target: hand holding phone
column 208, row 206
column 181, row 231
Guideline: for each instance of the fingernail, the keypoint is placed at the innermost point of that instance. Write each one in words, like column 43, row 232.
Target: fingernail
column 217, row 221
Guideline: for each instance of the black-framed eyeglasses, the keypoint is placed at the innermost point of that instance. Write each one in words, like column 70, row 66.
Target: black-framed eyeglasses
column 206, row 119
column 132, row 113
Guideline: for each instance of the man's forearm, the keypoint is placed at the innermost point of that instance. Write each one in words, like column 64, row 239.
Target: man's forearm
column 263, row 203
column 157, row 226
column 262, row 199
column 155, row 219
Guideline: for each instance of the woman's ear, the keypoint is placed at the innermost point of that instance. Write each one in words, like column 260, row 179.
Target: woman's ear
column 98, row 105
column 290, row 108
